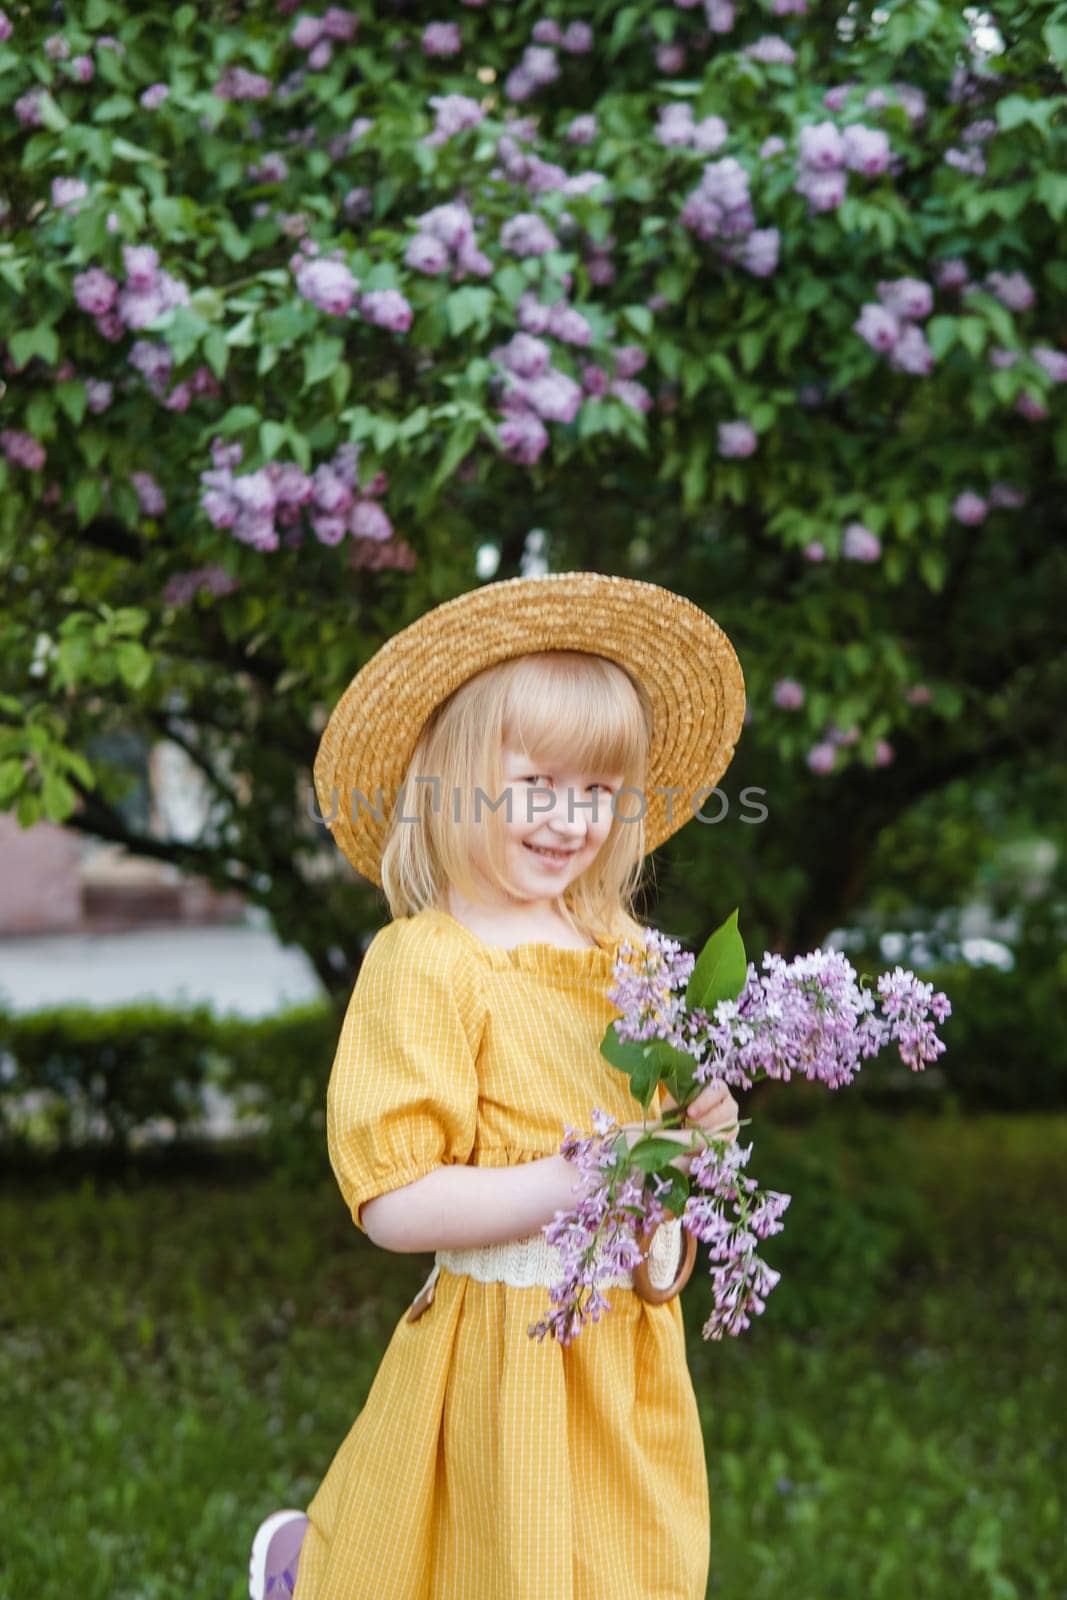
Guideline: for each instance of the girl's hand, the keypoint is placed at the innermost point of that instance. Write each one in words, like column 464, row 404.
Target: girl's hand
column 714, row 1108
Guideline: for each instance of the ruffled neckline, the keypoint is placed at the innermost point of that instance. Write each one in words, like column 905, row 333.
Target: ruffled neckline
column 537, row 956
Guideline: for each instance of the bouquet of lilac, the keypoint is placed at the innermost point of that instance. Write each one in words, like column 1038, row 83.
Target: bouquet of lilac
column 685, row 1022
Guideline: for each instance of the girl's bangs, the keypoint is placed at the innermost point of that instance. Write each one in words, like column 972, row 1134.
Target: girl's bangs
column 594, row 700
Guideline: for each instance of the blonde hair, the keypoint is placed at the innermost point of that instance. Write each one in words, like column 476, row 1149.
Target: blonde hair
column 555, row 705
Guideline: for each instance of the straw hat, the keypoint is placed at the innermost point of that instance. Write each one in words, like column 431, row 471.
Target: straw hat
column 684, row 660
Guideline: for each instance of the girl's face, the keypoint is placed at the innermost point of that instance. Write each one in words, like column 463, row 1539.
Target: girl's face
column 559, row 819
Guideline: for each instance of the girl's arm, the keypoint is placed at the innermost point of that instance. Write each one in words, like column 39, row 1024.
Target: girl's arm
column 458, row 1207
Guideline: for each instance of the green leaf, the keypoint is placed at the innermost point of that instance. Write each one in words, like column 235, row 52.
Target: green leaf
column 933, row 565
column 93, row 445
column 750, row 347
column 721, row 968
column 58, row 798
column 114, row 108
column 639, row 318
column 695, row 477
column 1055, row 37
column 272, row 437
column 972, row 332
column 469, row 307
column 71, row 396
column 88, row 498
column 941, row 334
column 320, row 358
column 1051, row 190
column 217, row 352
column 41, row 415
column 134, row 663
column 37, row 341
column 237, row 418
column 653, row 1151
column 12, row 778
column 50, row 114
column 126, row 151
column 29, row 809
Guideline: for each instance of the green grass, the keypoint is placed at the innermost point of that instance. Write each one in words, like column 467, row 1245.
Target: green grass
column 180, row 1355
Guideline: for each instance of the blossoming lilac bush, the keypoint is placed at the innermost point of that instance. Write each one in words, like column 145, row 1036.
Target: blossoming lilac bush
column 279, row 258
column 685, row 1022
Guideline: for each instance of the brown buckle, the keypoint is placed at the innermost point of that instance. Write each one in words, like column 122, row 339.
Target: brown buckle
column 424, row 1299
column 643, row 1285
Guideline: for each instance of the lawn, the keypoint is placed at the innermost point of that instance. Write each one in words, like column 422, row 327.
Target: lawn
column 183, row 1349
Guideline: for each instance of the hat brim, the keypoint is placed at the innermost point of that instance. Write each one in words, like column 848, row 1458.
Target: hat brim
column 682, row 657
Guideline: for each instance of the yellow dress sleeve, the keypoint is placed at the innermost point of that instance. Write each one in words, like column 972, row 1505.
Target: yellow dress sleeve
column 403, row 1093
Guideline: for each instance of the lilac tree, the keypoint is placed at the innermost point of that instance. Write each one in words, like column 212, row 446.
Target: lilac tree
column 302, row 309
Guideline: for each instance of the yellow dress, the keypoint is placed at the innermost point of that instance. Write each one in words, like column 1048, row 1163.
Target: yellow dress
column 486, row 1464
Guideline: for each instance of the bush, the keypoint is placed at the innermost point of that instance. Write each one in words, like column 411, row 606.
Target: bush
column 73, row 1076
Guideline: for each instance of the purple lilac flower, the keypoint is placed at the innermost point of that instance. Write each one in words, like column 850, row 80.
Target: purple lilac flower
column 5, row 27
column 527, row 234
column 866, row 149
column 1005, row 495
column 1030, row 407
column 67, row 192
column 577, row 38
column 759, row 253
column 152, row 500
column 912, row 353
column 454, row 113
column 553, row 395
column 329, row 285
column 582, row 129
column 1012, row 289
column 951, row 273
column 237, row 83
column 860, row 544
column 153, row 360
column 736, row 439
column 523, row 437
column 369, row 521
column 821, row 147
column 98, row 394
column 821, row 757
column 808, row 1017
column 386, row 308
column 907, row 298
column 969, row 508
column 28, row 109
column 441, row 39
column 1054, row 362
column 22, row 449
column 525, row 355
column 824, row 191
column 972, row 162
column 95, row 291
column 788, row 694
column 877, row 326
column 631, row 393
column 772, row 51
column 153, row 97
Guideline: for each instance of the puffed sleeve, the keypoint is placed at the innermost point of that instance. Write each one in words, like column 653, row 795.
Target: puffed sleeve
column 403, row 1093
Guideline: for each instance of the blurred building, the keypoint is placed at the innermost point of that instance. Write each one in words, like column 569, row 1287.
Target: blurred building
column 58, row 880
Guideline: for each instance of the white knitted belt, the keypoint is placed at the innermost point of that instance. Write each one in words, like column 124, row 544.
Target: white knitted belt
column 532, row 1260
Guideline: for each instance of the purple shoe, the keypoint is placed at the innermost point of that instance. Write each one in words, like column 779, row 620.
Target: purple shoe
column 275, row 1554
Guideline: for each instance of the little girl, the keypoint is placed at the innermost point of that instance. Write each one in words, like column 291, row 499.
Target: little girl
column 501, row 768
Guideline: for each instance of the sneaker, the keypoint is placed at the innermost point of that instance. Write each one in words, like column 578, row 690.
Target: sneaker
column 275, row 1554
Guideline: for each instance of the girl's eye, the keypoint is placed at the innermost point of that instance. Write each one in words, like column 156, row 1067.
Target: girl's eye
column 533, row 777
